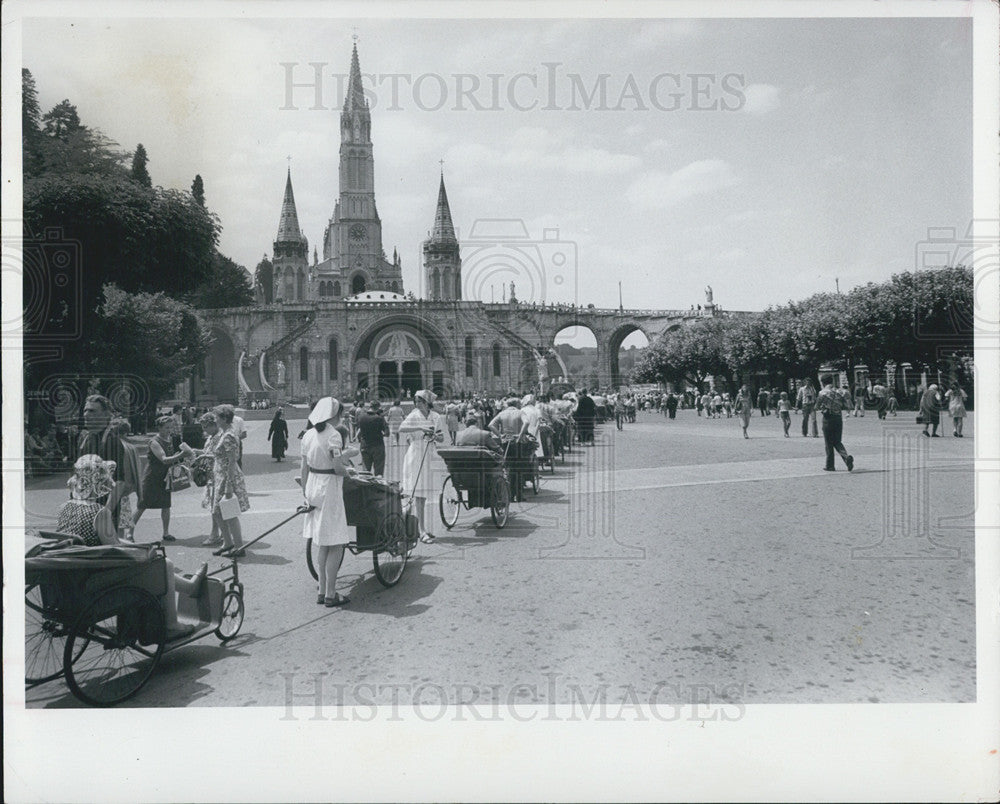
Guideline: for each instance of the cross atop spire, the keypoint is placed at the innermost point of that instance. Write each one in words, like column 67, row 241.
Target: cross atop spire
column 355, row 99
column 444, row 229
column 288, row 226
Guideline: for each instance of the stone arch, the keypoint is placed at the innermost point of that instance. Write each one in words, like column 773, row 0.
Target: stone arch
column 433, row 347
column 336, row 288
column 300, row 285
column 580, row 335
column 395, row 286
column 615, row 340
column 358, row 283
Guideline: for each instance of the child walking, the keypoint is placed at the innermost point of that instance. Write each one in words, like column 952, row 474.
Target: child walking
column 785, row 411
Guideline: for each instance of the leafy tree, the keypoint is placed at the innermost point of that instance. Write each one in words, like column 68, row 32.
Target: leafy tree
column 62, row 120
column 263, row 280
column 228, row 285
column 139, row 172
column 31, row 123
column 198, row 190
column 149, row 335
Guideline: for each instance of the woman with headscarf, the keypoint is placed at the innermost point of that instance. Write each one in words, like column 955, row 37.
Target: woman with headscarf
column 83, row 515
column 277, row 434
column 422, row 429
column 955, row 399
column 324, row 453
column 930, row 410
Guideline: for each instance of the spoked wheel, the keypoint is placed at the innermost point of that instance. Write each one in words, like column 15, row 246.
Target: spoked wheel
column 44, row 639
column 391, row 550
column 232, row 616
column 500, row 507
column 536, row 476
column 114, row 646
column 449, row 503
column 312, row 558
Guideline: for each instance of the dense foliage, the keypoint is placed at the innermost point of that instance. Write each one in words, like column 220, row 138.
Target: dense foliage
column 143, row 257
column 923, row 318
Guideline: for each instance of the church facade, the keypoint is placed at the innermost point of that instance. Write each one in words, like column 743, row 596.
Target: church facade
column 344, row 324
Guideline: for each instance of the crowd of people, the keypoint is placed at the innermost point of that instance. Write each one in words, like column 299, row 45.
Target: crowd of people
column 206, row 448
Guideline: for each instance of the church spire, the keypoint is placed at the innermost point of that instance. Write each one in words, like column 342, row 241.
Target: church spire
column 355, row 100
column 444, row 230
column 288, row 226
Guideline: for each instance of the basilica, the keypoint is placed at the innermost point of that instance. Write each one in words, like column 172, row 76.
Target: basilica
column 345, row 325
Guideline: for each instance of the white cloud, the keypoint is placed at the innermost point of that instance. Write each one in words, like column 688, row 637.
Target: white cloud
column 657, row 146
column 660, row 190
column 761, row 98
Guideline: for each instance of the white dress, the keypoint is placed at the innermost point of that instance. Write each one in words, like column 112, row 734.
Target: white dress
column 531, row 414
column 427, row 487
column 326, row 524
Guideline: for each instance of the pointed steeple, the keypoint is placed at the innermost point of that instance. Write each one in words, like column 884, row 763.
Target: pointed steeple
column 355, row 99
column 443, row 230
column 288, row 226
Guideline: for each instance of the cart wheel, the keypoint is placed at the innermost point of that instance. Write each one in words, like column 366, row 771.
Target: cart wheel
column 312, row 558
column 449, row 503
column 536, row 476
column 232, row 616
column 500, row 508
column 44, row 639
column 114, row 646
column 391, row 550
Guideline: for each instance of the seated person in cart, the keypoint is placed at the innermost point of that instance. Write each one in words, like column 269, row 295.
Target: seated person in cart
column 475, row 436
column 87, row 514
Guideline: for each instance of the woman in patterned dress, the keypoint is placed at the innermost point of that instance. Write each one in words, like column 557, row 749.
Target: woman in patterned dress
column 227, row 481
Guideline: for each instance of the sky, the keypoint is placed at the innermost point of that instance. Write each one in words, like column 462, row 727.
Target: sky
column 767, row 159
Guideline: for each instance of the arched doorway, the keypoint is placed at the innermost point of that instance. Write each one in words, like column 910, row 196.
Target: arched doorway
column 626, row 346
column 219, row 381
column 358, row 284
column 577, row 348
column 400, row 355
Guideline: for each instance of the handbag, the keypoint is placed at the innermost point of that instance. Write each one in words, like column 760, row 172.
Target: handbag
column 178, row 478
column 229, row 508
column 920, row 419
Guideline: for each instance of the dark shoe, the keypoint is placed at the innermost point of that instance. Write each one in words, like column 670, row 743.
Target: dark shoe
column 221, row 551
column 829, row 469
column 321, row 600
column 168, row 538
column 927, row 434
column 334, row 602
column 241, row 553
column 210, row 542
column 850, row 463
column 935, row 435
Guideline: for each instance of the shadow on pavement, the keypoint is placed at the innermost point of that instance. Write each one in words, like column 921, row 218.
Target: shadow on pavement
column 368, row 596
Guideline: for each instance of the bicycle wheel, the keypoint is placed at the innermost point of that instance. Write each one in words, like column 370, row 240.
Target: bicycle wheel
column 500, row 504
column 536, row 476
column 114, row 646
column 312, row 558
column 391, row 550
column 449, row 503
column 44, row 639
column 232, row 616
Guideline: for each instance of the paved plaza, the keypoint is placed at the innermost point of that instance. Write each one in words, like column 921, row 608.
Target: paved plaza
column 669, row 561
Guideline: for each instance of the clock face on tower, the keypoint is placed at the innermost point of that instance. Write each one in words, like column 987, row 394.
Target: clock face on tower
column 358, row 233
